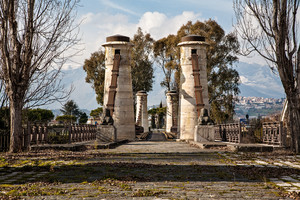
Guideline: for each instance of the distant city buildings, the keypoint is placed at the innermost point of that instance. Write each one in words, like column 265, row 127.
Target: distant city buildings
column 258, row 106
column 253, row 106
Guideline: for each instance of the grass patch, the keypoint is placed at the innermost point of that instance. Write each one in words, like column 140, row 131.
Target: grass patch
column 32, row 189
column 148, row 193
column 123, row 185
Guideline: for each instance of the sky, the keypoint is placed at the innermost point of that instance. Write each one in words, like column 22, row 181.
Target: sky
column 102, row 18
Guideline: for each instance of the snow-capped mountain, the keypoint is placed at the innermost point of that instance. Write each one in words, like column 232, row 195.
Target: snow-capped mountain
column 259, row 81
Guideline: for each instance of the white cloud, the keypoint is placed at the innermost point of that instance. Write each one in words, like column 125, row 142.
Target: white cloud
column 95, row 27
column 254, row 58
column 159, row 25
column 243, row 79
column 118, row 7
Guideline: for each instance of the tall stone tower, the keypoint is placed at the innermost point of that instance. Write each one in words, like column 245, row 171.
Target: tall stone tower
column 141, row 110
column 118, row 96
column 193, row 92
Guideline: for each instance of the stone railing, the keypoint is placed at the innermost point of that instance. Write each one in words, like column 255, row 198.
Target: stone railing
column 35, row 134
column 40, row 134
column 274, row 133
column 228, row 132
column 78, row 133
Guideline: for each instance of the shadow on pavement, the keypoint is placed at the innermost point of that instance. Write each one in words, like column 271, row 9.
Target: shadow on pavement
column 140, row 172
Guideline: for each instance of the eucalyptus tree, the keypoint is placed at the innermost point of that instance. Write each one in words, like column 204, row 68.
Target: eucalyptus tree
column 141, row 61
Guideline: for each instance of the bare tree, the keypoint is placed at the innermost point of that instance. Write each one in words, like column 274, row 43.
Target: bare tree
column 34, row 38
column 269, row 28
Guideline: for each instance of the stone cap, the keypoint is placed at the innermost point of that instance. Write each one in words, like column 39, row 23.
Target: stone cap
column 192, row 40
column 189, row 38
column 141, row 92
column 117, row 38
column 172, row 92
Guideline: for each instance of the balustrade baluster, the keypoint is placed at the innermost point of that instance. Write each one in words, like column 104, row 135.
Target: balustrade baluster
column 45, row 133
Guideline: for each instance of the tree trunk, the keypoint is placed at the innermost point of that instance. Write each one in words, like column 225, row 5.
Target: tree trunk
column 295, row 122
column 16, row 131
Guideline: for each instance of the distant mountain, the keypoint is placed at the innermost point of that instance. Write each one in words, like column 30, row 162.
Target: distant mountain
column 259, row 81
column 256, row 80
column 57, row 112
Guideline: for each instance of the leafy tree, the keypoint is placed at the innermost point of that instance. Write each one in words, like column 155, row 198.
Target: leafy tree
column 95, row 71
column 66, row 118
column 70, row 108
column 152, row 112
column 83, row 118
column 270, row 28
column 96, row 112
column 38, row 115
column 34, row 38
column 141, row 64
column 159, row 112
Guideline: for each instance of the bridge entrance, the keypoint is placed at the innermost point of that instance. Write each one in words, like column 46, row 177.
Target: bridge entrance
column 183, row 108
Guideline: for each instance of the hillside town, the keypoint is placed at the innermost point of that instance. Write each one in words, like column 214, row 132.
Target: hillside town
column 258, row 106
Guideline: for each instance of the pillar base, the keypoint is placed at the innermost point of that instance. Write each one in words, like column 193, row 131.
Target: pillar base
column 106, row 133
column 204, row 133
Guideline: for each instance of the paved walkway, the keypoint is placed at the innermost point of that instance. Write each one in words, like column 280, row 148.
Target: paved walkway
column 149, row 170
column 158, row 137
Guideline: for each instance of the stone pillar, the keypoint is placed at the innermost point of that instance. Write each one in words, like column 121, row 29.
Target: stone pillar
column 123, row 108
column 142, row 110
column 191, row 45
column 172, row 112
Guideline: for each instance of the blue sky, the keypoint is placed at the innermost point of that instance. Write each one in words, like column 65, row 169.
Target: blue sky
column 102, row 18
column 134, row 9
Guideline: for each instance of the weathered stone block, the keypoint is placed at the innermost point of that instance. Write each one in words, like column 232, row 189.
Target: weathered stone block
column 204, row 133
column 106, row 133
